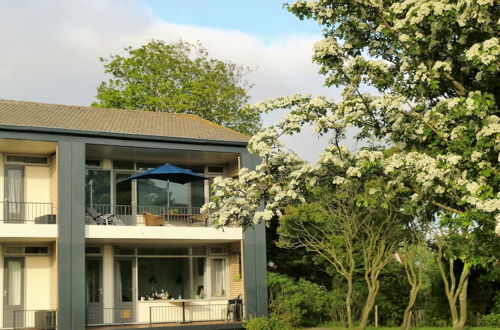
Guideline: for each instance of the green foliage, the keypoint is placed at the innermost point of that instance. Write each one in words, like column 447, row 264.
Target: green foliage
column 266, row 323
column 178, row 77
column 492, row 320
column 300, row 302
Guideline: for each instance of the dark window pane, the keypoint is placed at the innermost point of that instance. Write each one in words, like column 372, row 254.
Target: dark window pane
column 197, row 193
column 97, row 188
column 93, row 281
column 125, row 280
column 199, row 250
column 93, row 250
column 124, row 251
column 198, row 273
column 93, row 162
column 123, row 164
column 163, row 251
column 215, row 169
column 36, row 250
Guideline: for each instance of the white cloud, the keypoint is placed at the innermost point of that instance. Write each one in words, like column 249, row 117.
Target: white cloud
column 50, row 52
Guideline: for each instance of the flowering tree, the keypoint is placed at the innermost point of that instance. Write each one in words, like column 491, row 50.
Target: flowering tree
column 433, row 67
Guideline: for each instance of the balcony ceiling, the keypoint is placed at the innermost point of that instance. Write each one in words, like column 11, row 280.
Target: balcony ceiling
column 28, row 147
column 160, row 155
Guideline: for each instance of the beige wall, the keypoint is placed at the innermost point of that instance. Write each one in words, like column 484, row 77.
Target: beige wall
column 235, row 280
column 54, row 181
column 38, row 287
column 37, row 184
column 53, row 275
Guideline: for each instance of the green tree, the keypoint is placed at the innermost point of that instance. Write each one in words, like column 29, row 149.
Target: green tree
column 433, row 71
column 347, row 235
column 179, row 77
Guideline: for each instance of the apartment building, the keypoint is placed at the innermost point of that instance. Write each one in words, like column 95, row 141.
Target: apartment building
column 79, row 248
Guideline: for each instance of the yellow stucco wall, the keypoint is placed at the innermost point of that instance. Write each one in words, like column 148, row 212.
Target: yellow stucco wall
column 37, row 277
column 37, row 184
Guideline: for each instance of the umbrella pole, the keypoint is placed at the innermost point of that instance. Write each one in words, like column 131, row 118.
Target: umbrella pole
column 168, row 201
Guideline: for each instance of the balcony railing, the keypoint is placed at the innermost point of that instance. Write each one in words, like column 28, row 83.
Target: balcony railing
column 141, row 215
column 34, row 319
column 189, row 313
column 109, row 316
column 165, row 314
column 27, row 212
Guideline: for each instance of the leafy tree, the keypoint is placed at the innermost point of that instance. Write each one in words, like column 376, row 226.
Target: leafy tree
column 178, row 77
column 434, row 68
column 350, row 237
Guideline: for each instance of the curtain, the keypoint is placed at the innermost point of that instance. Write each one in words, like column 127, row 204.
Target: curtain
column 218, row 278
column 15, row 284
column 14, row 192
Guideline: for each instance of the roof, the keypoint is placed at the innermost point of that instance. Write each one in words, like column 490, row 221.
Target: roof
column 85, row 119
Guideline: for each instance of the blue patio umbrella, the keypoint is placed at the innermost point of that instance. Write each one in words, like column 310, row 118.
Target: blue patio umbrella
column 169, row 173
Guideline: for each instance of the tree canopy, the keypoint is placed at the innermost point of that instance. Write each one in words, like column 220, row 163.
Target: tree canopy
column 419, row 76
column 179, row 77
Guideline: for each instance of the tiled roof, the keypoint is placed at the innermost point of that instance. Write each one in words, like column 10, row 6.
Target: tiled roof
column 79, row 118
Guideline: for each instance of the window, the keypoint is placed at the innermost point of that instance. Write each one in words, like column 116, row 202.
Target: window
column 157, row 275
column 95, row 250
column 98, row 190
column 21, row 250
column 123, row 164
column 28, row 160
column 217, row 250
column 215, row 169
column 93, row 163
column 164, row 251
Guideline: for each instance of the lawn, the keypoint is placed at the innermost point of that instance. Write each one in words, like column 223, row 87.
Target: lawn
column 327, row 327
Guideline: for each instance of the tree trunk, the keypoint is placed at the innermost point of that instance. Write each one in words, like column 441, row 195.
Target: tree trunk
column 406, row 325
column 455, row 290
column 370, row 301
column 460, row 322
column 348, row 302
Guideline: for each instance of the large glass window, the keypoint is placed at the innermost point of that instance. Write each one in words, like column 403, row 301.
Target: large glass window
column 218, row 277
column 161, row 275
column 97, row 188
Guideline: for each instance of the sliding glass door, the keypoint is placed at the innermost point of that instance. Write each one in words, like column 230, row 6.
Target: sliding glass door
column 125, row 293
column 13, row 300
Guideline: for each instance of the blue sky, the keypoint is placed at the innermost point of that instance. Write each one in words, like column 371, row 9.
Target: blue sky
column 264, row 18
column 68, row 37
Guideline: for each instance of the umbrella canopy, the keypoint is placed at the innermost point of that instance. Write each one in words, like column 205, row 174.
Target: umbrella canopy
column 169, row 173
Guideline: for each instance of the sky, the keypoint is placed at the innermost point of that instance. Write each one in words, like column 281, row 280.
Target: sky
column 50, row 48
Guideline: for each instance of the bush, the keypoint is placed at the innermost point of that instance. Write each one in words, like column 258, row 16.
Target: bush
column 492, row 320
column 266, row 323
column 300, row 302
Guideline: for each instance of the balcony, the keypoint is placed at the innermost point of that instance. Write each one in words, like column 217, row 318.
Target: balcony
column 128, row 215
column 27, row 213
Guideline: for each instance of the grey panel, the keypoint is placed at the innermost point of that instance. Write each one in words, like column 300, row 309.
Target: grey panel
column 71, row 227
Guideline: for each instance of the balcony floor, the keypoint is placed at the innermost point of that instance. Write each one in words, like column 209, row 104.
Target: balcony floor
column 213, row 325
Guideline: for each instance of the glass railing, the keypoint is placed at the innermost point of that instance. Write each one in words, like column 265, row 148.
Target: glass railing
column 143, row 215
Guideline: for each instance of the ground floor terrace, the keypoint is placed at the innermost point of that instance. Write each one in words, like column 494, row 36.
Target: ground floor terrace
column 127, row 283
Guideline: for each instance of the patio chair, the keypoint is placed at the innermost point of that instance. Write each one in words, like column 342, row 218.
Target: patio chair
column 153, row 220
column 235, row 309
column 199, row 219
column 100, row 218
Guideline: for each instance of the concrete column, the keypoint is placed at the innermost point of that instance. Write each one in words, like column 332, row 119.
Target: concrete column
column 107, row 277
column 71, row 232
column 254, row 254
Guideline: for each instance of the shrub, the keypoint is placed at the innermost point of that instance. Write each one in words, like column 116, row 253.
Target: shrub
column 266, row 323
column 492, row 320
column 300, row 302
